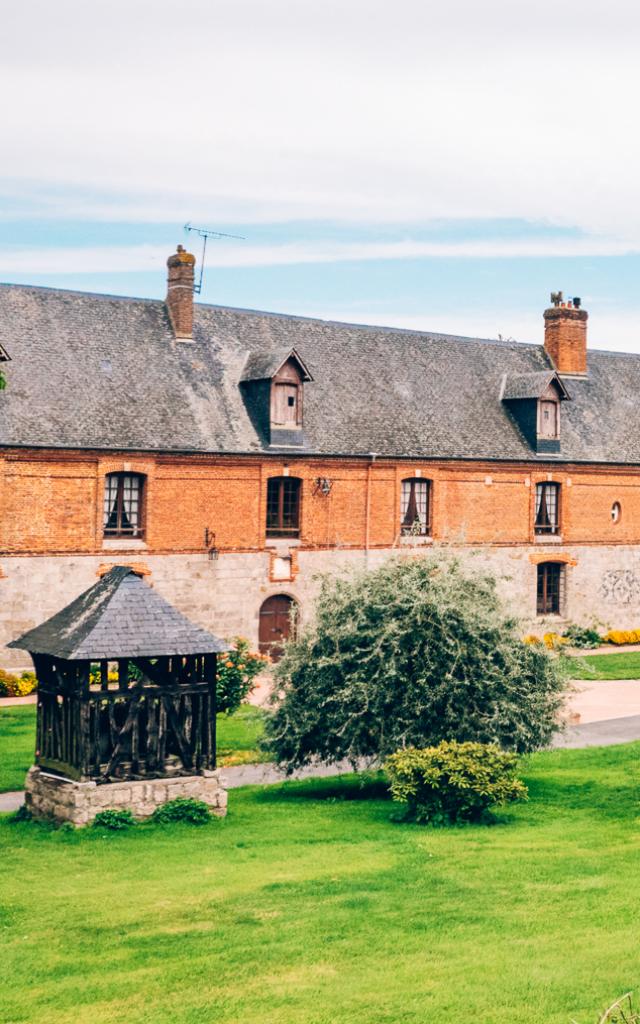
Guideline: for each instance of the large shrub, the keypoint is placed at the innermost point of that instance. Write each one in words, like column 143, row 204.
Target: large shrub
column 454, row 781
column 410, row 654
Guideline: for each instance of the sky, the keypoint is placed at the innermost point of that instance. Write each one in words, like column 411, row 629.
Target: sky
column 435, row 166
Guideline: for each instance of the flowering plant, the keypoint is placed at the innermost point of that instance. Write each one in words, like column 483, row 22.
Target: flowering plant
column 237, row 669
column 17, row 686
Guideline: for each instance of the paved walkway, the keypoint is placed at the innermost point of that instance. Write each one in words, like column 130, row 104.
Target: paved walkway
column 593, row 734
column 601, row 699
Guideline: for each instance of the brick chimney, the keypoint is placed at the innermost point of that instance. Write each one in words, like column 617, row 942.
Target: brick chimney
column 180, row 293
column 565, row 335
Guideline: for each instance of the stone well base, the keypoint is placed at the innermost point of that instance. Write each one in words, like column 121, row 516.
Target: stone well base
column 49, row 796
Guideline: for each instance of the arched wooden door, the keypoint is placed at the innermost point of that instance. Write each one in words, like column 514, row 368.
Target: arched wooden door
column 276, row 624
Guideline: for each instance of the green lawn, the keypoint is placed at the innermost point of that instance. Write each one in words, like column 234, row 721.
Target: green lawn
column 238, row 737
column 309, row 905
column 604, row 666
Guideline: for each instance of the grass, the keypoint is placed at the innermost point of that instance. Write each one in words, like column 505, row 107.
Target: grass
column 604, row 666
column 238, row 737
column 309, row 905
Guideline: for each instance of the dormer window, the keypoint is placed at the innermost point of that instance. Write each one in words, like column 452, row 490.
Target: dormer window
column 286, row 397
column 272, row 383
column 533, row 399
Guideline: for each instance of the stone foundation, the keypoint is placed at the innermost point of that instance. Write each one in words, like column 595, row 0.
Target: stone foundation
column 225, row 595
column 53, row 797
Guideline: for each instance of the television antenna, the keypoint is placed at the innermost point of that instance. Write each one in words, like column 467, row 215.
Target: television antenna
column 205, row 235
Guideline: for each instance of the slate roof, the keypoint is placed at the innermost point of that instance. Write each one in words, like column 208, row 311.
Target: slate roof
column 94, row 371
column 264, row 365
column 532, row 385
column 118, row 617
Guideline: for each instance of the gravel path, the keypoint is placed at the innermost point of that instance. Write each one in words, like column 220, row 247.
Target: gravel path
column 593, row 734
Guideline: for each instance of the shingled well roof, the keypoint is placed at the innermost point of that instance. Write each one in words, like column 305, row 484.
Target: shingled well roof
column 93, row 371
column 118, row 617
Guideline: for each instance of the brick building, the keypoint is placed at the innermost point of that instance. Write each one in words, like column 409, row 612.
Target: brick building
column 233, row 455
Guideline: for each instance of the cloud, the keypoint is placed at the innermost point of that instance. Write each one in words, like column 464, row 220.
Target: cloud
column 136, row 258
column 363, row 111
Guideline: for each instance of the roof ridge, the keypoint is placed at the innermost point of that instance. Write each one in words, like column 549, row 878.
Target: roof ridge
column 298, row 317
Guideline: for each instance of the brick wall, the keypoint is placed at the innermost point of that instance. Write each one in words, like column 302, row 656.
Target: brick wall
column 52, row 503
column 51, row 544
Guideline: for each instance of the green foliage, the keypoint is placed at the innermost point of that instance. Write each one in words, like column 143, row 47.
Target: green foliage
column 236, row 671
column 115, row 820
column 582, row 636
column 453, row 782
column 193, row 812
column 17, row 686
column 3, row 381
column 408, row 655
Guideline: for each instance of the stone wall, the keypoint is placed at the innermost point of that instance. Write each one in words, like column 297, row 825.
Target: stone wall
column 52, row 545
column 58, row 799
column 225, row 595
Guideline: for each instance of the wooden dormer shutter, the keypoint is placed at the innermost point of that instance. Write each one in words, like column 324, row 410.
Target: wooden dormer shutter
column 285, row 406
column 286, row 397
column 548, row 418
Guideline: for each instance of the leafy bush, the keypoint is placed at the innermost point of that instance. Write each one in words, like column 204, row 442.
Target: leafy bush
column 236, row 671
column 454, row 781
column 582, row 636
column 622, row 636
column 410, row 654
column 194, row 812
column 17, row 686
column 115, row 820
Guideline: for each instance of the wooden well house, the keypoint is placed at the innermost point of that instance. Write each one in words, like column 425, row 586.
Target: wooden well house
column 126, row 686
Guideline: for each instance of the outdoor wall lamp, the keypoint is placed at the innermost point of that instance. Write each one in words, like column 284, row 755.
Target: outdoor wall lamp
column 323, row 485
column 210, row 544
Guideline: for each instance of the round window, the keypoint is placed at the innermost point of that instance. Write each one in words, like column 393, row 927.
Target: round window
column 616, row 512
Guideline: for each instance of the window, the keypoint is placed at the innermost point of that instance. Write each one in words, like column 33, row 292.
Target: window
column 548, row 419
column 283, row 507
column 547, row 508
column 123, row 505
column 551, row 577
column 415, row 518
column 616, row 512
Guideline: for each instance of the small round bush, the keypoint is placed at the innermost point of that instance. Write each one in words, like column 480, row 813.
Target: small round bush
column 114, row 820
column 194, row 812
column 453, row 782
